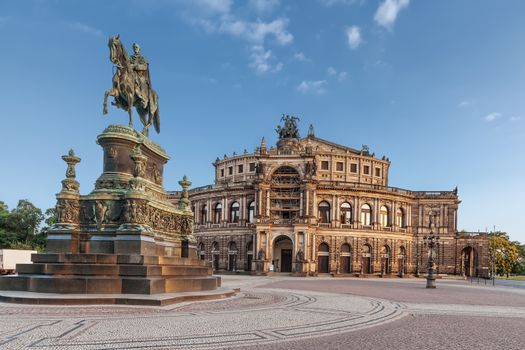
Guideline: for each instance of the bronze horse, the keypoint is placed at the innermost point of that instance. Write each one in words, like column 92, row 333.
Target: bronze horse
column 124, row 89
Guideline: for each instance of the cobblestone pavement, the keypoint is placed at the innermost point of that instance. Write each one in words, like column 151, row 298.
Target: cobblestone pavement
column 287, row 313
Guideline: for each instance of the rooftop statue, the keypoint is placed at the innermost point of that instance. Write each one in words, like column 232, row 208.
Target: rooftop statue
column 289, row 130
column 132, row 85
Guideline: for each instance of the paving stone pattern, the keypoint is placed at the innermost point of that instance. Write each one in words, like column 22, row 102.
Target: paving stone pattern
column 283, row 313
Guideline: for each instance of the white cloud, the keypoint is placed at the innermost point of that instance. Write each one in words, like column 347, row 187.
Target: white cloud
column 87, row 29
column 212, row 7
column 387, row 12
column 257, row 31
column 515, row 119
column 464, row 103
column 333, row 2
column 264, row 6
column 353, row 35
column 492, row 116
column 317, row 87
column 261, row 60
column 299, row 56
column 220, row 17
column 331, row 71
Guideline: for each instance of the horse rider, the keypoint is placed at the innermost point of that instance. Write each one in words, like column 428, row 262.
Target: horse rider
column 139, row 64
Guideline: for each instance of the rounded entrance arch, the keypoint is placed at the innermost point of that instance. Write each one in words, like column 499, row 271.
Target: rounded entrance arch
column 282, row 254
column 323, row 255
column 366, row 259
column 346, row 258
column 386, row 267
column 469, row 262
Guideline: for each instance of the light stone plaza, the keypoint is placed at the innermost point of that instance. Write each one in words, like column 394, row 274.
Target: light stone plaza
column 304, row 244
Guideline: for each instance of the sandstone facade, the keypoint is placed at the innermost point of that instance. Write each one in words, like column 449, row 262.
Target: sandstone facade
column 310, row 206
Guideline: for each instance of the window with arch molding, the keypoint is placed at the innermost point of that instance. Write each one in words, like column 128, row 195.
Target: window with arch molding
column 366, row 215
column 204, row 214
column 251, row 212
column 383, row 216
column 346, row 213
column 324, row 212
column 217, row 213
column 234, row 212
column 400, row 218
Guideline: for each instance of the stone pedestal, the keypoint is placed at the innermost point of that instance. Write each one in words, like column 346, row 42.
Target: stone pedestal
column 123, row 237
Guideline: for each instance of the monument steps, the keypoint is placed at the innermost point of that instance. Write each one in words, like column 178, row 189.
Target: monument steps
column 68, row 284
column 111, row 270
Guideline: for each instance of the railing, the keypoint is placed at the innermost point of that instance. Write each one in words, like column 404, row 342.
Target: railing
column 324, row 224
column 358, row 185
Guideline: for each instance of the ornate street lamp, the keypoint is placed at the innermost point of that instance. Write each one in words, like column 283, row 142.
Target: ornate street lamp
column 431, row 242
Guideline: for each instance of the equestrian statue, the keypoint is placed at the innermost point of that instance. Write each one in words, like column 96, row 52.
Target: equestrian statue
column 132, row 85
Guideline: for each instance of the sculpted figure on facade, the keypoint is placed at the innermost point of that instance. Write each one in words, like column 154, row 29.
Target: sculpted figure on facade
column 290, row 129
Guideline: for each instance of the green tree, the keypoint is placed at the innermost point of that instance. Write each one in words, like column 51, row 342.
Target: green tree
column 7, row 238
column 503, row 251
column 519, row 267
column 24, row 221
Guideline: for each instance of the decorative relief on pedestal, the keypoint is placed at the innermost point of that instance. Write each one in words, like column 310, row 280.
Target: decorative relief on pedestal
column 67, row 211
column 140, row 162
column 156, row 175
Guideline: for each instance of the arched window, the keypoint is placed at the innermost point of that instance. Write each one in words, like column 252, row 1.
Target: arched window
column 383, row 216
column 366, row 214
column 232, row 247
column 324, row 212
column 251, row 212
column 234, row 212
column 400, row 217
column 204, row 214
column 323, row 247
column 194, row 213
column 346, row 213
column 217, row 213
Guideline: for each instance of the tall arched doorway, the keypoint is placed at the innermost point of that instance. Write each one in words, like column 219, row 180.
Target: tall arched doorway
column 469, row 262
column 366, row 259
column 282, row 254
column 323, row 255
column 345, row 259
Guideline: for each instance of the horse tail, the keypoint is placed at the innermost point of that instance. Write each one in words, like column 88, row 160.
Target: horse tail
column 156, row 120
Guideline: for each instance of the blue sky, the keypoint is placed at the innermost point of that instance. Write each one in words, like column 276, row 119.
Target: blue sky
column 437, row 86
